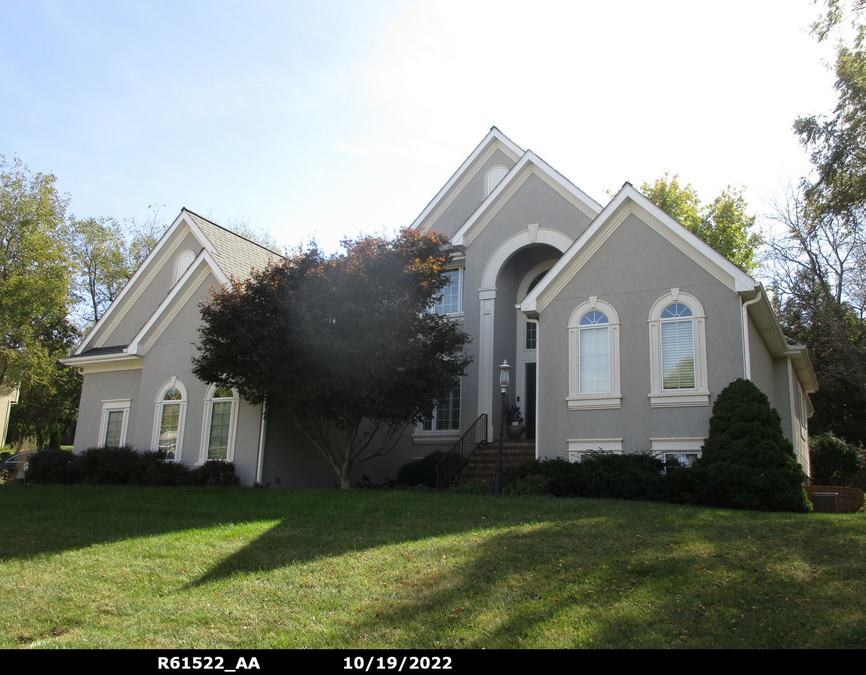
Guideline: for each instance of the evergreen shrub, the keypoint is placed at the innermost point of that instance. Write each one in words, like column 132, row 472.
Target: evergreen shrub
column 50, row 466
column 125, row 466
column 833, row 461
column 746, row 461
column 420, row 471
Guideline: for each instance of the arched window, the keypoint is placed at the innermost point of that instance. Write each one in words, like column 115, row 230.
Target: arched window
column 494, row 177
column 593, row 357
column 181, row 265
column 678, row 352
column 220, row 423
column 169, row 419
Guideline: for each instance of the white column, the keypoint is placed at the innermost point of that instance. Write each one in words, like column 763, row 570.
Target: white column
column 487, row 297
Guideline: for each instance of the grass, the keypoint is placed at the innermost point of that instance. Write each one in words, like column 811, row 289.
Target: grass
column 87, row 566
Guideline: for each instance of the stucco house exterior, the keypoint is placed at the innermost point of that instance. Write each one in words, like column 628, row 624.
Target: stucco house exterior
column 620, row 325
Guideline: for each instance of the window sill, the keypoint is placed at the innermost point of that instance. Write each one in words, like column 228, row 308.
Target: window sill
column 435, row 437
column 593, row 402
column 679, row 399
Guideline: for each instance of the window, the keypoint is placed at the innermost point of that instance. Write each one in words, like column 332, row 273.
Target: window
column 451, row 300
column 169, row 419
column 531, row 335
column 578, row 447
column 593, row 354
column 678, row 352
column 220, row 422
column 446, row 415
column 677, row 451
column 494, row 177
column 115, row 420
column 678, row 347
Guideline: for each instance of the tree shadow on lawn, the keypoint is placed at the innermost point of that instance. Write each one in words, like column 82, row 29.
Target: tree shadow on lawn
column 543, row 572
column 662, row 582
column 45, row 520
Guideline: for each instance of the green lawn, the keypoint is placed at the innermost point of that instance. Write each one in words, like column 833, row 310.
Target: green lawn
column 85, row 566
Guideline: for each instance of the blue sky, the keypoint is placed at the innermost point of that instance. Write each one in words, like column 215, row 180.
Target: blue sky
column 330, row 118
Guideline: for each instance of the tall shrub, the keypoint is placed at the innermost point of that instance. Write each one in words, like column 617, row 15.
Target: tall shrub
column 833, row 461
column 746, row 461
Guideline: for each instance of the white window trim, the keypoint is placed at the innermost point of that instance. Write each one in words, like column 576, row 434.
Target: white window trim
column 157, row 417
column 208, row 415
column 578, row 447
column 108, row 405
column 487, row 188
column 676, row 398
column 461, row 276
column 596, row 401
column 181, row 264
column 431, row 436
column 662, row 447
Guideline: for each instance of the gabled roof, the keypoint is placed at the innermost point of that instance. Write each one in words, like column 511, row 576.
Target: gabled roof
column 224, row 253
column 494, row 140
column 528, row 164
column 236, row 255
column 626, row 201
column 629, row 200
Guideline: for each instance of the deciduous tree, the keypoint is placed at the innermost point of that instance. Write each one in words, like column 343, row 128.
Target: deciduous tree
column 723, row 223
column 344, row 345
column 35, row 270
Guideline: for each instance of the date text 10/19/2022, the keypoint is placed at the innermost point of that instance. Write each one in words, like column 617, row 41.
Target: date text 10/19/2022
column 398, row 664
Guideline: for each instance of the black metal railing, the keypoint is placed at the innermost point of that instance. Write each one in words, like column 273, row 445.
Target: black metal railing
column 456, row 458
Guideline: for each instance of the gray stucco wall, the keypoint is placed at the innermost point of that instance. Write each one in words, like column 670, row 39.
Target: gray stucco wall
column 136, row 314
column 631, row 271
column 169, row 356
column 99, row 387
column 470, row 198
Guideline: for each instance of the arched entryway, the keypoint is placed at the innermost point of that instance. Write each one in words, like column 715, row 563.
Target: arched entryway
column 503, row 280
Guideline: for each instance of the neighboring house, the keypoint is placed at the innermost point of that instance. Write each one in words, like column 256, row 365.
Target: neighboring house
column 620, row 325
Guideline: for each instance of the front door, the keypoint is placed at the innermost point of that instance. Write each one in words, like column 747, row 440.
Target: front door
column 529, row 402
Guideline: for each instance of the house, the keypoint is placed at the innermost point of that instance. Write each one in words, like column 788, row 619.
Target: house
column 620, row 325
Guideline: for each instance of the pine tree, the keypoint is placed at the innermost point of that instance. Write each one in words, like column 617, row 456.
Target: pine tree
column 746, row 462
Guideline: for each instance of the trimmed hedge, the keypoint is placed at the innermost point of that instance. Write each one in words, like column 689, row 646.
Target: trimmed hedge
column 602, row 475
column 420, row 471
column 125, row 466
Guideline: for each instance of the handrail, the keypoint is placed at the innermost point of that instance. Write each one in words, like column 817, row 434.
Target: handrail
column 456, row 458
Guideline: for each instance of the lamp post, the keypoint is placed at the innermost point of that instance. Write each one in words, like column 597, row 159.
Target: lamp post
column 503, row 386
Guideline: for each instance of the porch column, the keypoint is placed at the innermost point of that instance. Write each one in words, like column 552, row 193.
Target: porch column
column 487, row 298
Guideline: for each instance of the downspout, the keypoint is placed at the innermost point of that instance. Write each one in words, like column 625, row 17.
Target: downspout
column 747, row 362
column 264, row 427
